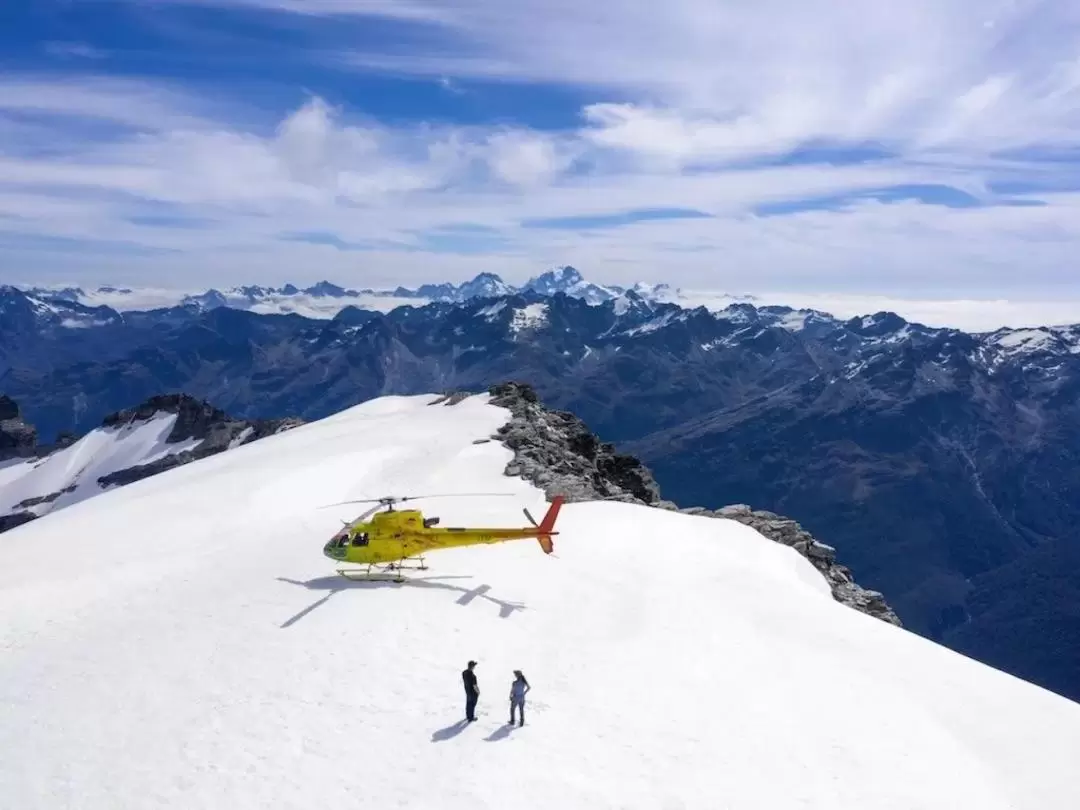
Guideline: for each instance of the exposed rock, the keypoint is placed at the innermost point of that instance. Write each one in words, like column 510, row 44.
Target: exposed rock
column 557, row 452
column 40, row 499
column 214, row 430
column 17, row 438
column 452, row 398
column 195, row 419
column 16, row 519
column 822, row 557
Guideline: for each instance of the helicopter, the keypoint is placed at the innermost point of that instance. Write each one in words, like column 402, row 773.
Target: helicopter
column 396, row 539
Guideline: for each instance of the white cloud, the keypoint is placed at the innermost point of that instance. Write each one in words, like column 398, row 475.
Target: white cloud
column 966, row 314
column 527, row 159
column 685, row 104
column 923, row 72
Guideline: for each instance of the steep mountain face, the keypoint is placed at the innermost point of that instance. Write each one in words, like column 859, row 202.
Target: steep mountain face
column 949, row 474
column 161, row 433
column 942, row 465
column 556, row 451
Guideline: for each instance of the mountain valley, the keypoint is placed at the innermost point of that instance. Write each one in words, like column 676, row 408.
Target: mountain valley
column 941, row 464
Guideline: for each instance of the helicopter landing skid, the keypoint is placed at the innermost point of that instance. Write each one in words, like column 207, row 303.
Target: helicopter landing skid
column 388, row 572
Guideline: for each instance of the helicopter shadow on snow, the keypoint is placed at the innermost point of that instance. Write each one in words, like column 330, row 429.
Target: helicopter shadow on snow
column 337, row 584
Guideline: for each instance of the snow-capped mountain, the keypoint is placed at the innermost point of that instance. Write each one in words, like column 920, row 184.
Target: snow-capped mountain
column 569, row 281
column 485, row 285
column 943, row 464
column 196, row 647
column 326, row 300
column 162, row 433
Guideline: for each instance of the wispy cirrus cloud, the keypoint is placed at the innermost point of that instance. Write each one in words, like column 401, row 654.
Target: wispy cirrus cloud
column 927, row 147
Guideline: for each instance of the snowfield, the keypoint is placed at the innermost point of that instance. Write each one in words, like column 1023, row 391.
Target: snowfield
column 74, row 471
column 181, row 642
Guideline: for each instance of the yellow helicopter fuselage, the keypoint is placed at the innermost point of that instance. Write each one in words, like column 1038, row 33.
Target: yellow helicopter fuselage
column 394, row 535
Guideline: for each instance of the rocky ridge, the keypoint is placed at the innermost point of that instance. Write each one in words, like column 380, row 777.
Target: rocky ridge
column 556, row 451
column 195, row 419
column 18, row 439
column 215, row 431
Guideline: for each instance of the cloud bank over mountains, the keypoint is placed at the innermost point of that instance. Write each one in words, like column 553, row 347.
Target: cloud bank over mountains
column 927, row 150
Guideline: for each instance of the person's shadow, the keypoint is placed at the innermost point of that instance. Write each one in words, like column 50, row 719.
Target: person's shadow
column 337, row 584
column 449, row 732
column 501, row 733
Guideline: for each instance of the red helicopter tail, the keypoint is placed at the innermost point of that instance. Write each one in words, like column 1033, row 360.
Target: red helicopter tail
column 547, row 525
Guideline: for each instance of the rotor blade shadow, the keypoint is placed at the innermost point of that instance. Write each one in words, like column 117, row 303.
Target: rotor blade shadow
column 294, row 619
column 336, row 584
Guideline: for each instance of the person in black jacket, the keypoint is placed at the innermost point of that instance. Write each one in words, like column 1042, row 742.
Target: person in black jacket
column 472, row 691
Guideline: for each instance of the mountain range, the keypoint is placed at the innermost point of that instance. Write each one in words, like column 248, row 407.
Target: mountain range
column 944, row 466
column 325, row 299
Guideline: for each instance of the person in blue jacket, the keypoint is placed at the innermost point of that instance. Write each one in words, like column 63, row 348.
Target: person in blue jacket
column 518, row 689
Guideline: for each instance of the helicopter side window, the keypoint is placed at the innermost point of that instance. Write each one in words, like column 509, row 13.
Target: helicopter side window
column 361, row 539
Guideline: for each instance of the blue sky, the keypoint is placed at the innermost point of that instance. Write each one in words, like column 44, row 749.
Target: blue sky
column 924, row 149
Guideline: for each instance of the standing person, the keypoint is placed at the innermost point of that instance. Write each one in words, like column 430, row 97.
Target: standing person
column 518, row 689
column 472, row 691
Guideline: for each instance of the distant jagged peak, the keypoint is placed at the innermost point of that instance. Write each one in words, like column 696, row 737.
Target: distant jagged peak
column 211, row 299
column 1030, row 349
column 569, row 281
column 444, row 291
column 796, row 320
column 75, row 294
column 877, row 325
column 22, row 309
column 631, row 301
column 484, row 285
column 325, row 289
column 557, row 277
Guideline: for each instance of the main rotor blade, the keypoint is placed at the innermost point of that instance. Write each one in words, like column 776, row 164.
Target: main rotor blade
column 399, row 499
column 366, row 514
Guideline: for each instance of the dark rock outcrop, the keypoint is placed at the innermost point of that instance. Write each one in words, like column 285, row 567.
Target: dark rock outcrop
column 556, row 451
column 17, row 438
column 789, row 533
column 213, row 430
column 15, row 519
column 195, row 419
column 40, row 499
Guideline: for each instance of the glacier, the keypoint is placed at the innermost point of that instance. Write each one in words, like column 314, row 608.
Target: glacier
column 182, row 642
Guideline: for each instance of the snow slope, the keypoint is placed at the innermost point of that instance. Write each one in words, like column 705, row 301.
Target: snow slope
column 181, row 642
column 74, row 471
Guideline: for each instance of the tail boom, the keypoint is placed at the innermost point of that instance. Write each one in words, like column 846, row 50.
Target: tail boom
column 546, row 528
